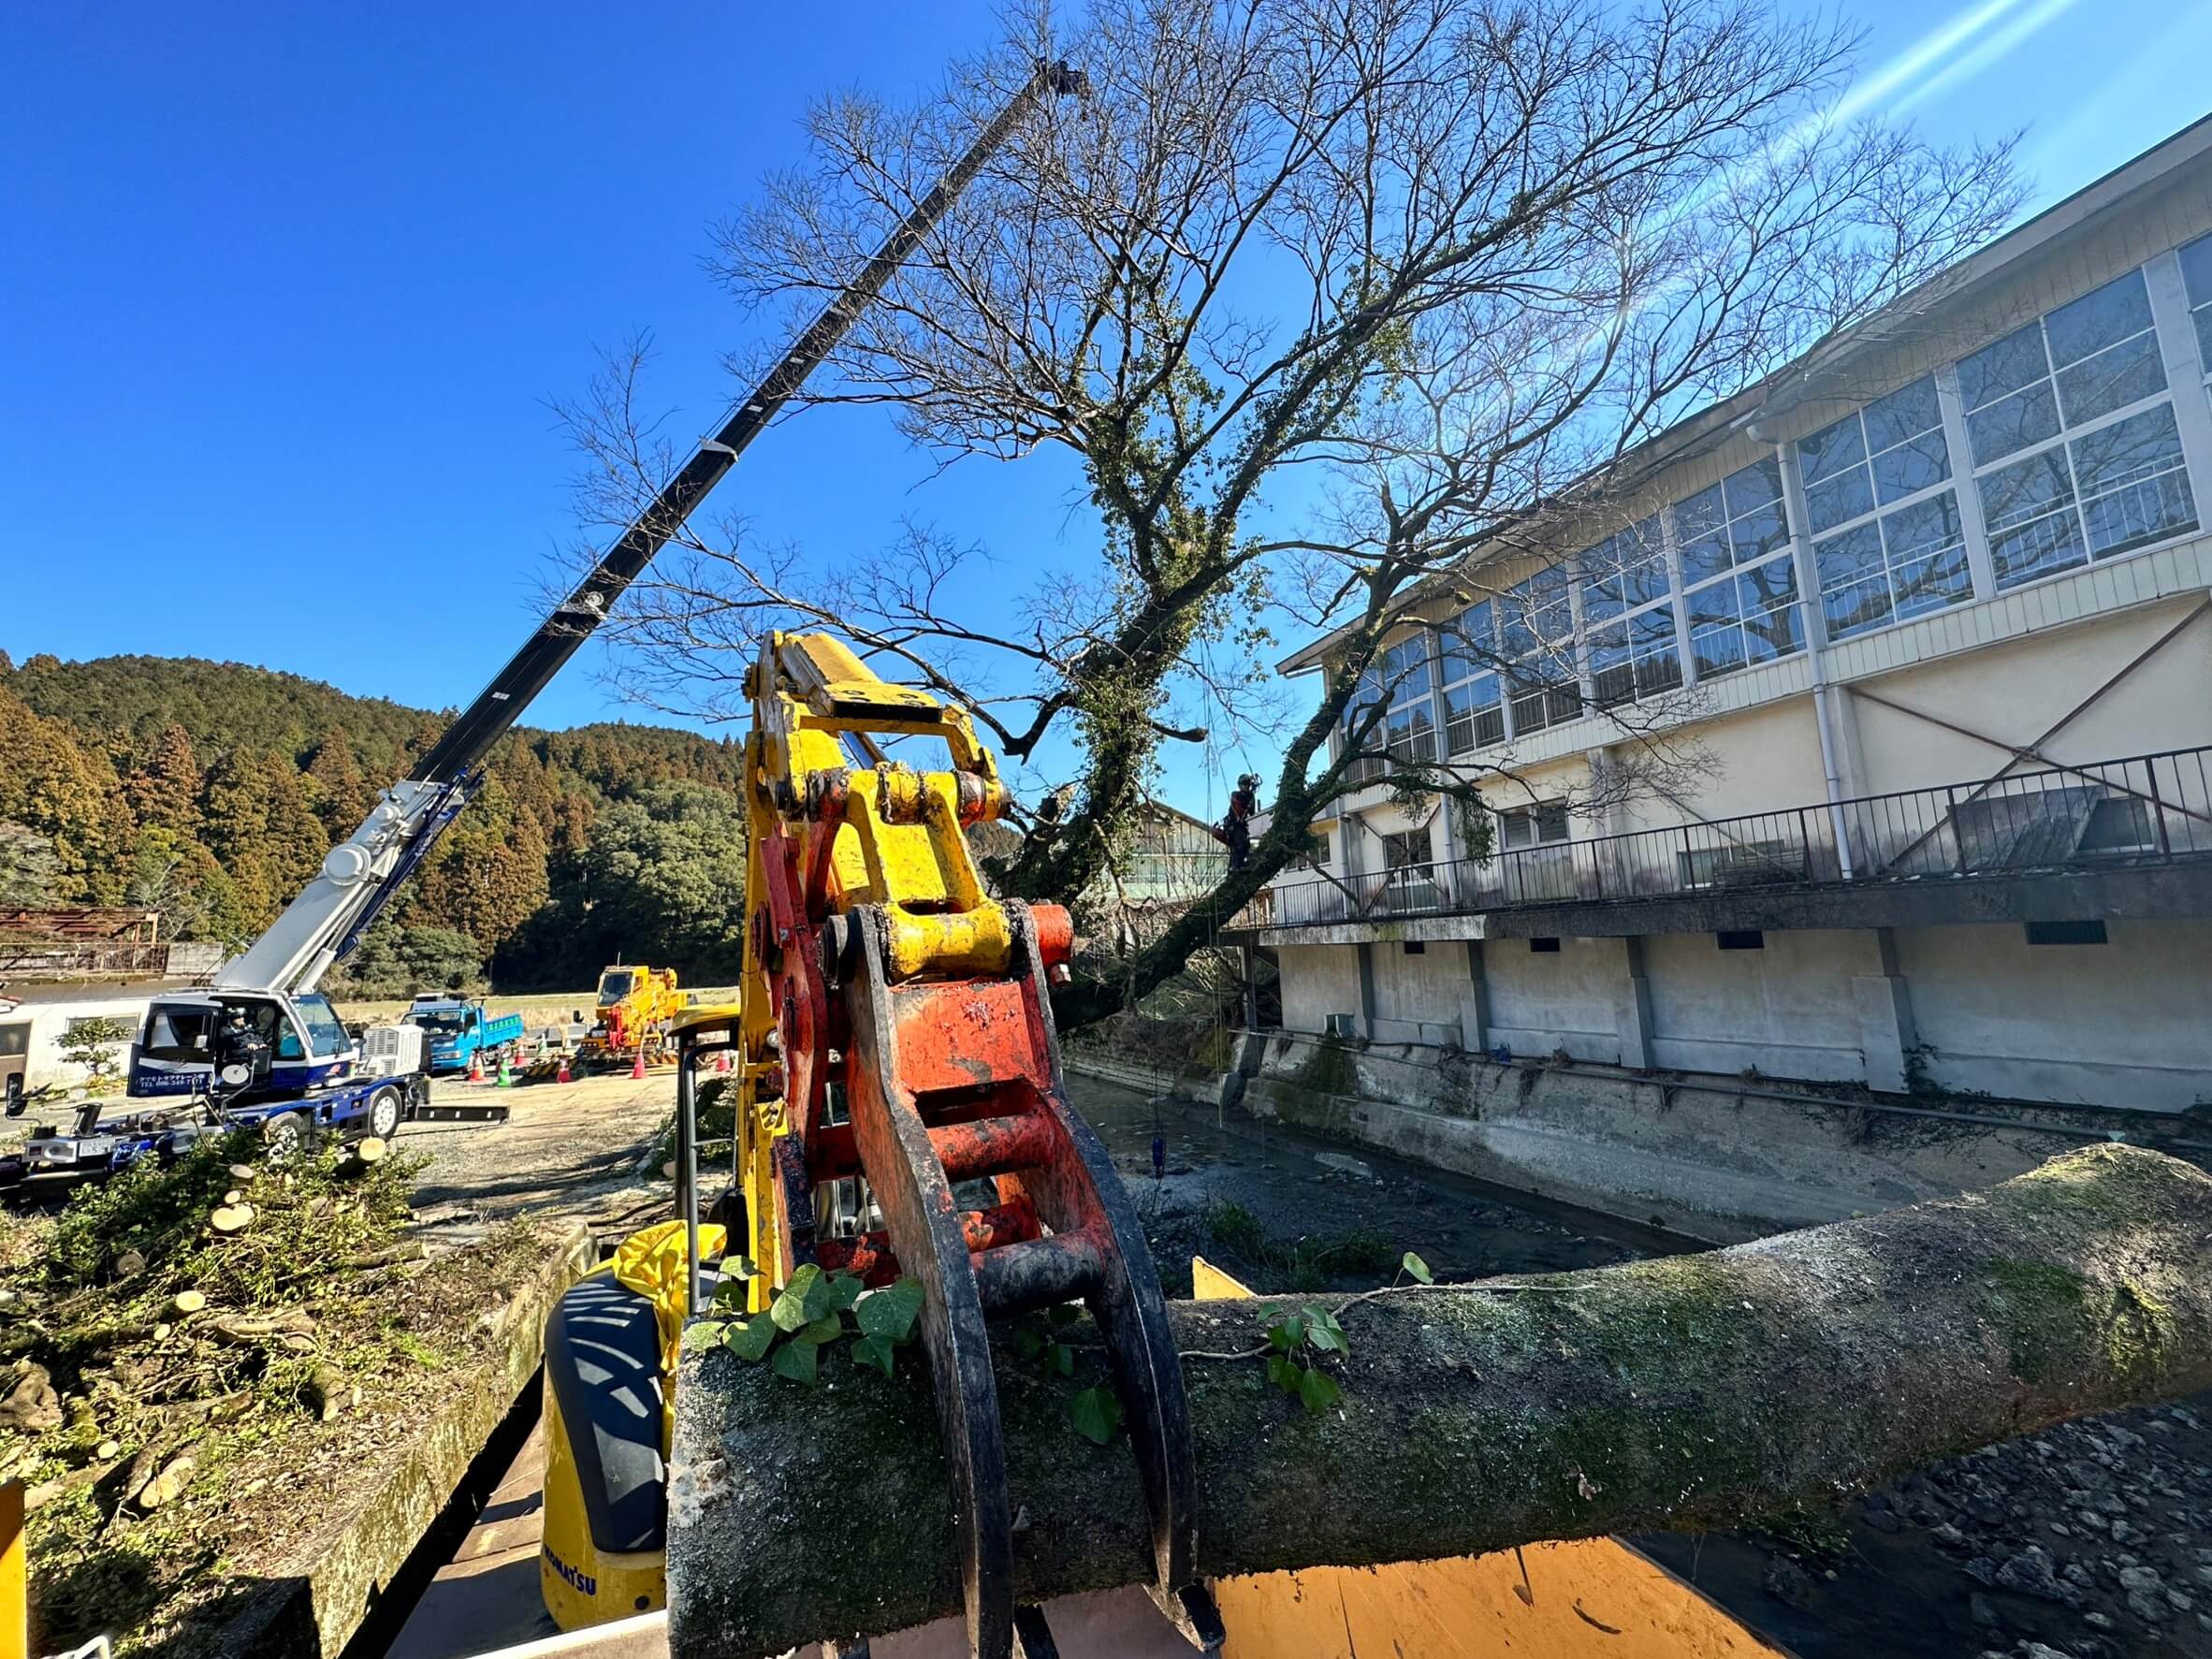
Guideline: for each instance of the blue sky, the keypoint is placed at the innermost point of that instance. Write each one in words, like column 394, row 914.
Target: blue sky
column 284, row 292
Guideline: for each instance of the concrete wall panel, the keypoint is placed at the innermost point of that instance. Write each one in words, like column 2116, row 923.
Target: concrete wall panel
column 1789, row 1010
column 2121, row 1024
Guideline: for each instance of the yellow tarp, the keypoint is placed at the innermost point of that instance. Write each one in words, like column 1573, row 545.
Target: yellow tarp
column 652, row 1262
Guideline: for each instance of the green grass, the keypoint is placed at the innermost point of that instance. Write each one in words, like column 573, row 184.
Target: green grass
column 1303, row 1263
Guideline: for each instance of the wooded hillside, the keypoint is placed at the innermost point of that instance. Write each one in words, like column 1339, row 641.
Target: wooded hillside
column 212, row 790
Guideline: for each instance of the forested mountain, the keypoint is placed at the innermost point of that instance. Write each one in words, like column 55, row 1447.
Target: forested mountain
column 212, row 790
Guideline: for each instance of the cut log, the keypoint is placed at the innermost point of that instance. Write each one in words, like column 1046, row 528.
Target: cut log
column 1689, row 1392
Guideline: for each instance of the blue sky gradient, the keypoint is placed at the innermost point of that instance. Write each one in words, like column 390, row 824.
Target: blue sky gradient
column 286, row 292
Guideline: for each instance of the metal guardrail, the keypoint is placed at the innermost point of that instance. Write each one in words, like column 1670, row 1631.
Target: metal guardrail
column 2145, row 809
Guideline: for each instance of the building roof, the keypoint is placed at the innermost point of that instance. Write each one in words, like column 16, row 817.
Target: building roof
column 74, row 926
column 1815, row 372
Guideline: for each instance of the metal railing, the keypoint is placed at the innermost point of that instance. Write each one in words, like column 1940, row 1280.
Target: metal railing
column 2147, row 809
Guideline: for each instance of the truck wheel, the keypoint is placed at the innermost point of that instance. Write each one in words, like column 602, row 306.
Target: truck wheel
column 383, row 1113
column 287, row 1136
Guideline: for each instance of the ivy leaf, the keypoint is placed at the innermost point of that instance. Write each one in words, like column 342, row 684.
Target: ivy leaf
column 706, row 1330
column 818, row 1292
column 1286, row 1332
column 1325, row 1333
column 826, row 1329
column 844, row 1291
column 789, row 1310
column 750, row 1339
column 796, row 1360
column 1284, row 1372
column 729, row 1296
column 1095, row 1414
column 741, row 1265
column 1029, row 1342
column 1062, row 1358
column 1064, row 1312
column 1418, row 1269
column 891, row 1312
column 1318, row 1390
column 874, row 1350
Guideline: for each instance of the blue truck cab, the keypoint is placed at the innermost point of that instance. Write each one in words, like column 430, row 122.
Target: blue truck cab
column 299, row 1042
column 458, row 1031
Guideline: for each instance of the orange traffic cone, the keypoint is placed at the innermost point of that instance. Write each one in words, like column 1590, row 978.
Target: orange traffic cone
column 476, row 1067
column 637, row 1067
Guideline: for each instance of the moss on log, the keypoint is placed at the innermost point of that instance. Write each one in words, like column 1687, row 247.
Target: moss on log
column 1688, row 1392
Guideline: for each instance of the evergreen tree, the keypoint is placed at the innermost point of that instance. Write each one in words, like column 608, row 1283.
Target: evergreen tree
column 341, row 794
column 52, row 787
column 162, row 789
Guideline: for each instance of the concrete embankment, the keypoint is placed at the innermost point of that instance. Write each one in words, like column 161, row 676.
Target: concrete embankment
column 1714, row 1158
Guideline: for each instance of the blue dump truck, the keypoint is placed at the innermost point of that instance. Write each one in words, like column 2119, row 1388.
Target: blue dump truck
column 459, row 1030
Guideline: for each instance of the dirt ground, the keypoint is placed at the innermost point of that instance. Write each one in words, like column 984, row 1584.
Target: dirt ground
column 567, row 1152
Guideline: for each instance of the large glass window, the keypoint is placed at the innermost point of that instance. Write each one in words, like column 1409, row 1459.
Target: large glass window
column 1628, row 616
column 1536, row 632
column 1888, row 543
column 1473, row 704
column 2196, row 281
column 2083, row 391
column 1403, row 681
column 1740, row 586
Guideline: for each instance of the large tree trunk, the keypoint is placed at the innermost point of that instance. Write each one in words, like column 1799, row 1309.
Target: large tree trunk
column 1688, row 1392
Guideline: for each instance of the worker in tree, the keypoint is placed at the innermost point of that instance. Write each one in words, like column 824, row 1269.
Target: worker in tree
column 1236, row 829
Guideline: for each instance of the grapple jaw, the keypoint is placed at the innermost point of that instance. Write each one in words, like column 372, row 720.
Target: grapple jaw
column 899, row 1031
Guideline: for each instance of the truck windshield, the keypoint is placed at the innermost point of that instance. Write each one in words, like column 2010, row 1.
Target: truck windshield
column 443, row 1023
column 613, row 988
column 325, row 1036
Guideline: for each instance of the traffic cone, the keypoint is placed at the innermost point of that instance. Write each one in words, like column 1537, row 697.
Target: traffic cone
column 476, row 1067
column 637, row 1066
column 563, row 1076
column 506, row 1081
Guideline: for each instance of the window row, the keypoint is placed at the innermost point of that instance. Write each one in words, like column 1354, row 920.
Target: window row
column 2062, row 437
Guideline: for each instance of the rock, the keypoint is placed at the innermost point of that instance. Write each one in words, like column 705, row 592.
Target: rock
column 2151, row 1609
column 1950, row 1535
column 1883, row 1520
column 32, row 1405
column 2178, row 1602
column 1981, row 1612
column 2043, row 1651
column 1982, row 1570
column 2029, row 1573
column 2141, row 1577
column 2098, row 1621
column 1789, row 1583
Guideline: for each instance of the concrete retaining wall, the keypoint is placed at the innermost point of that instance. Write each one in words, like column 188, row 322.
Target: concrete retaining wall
column 1709, row 1157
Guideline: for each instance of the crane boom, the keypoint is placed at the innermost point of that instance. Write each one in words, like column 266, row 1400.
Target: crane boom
column 360, row 874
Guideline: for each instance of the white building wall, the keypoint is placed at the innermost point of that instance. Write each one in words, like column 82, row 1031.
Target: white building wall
column 1787, row 1009
column 1318, row 980
column 44, row 1065
column 1418, row 993
column 1543, row 1001
column 2128, row 1023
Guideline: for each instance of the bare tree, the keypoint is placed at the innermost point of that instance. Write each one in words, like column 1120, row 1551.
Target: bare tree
column 1331, row 301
